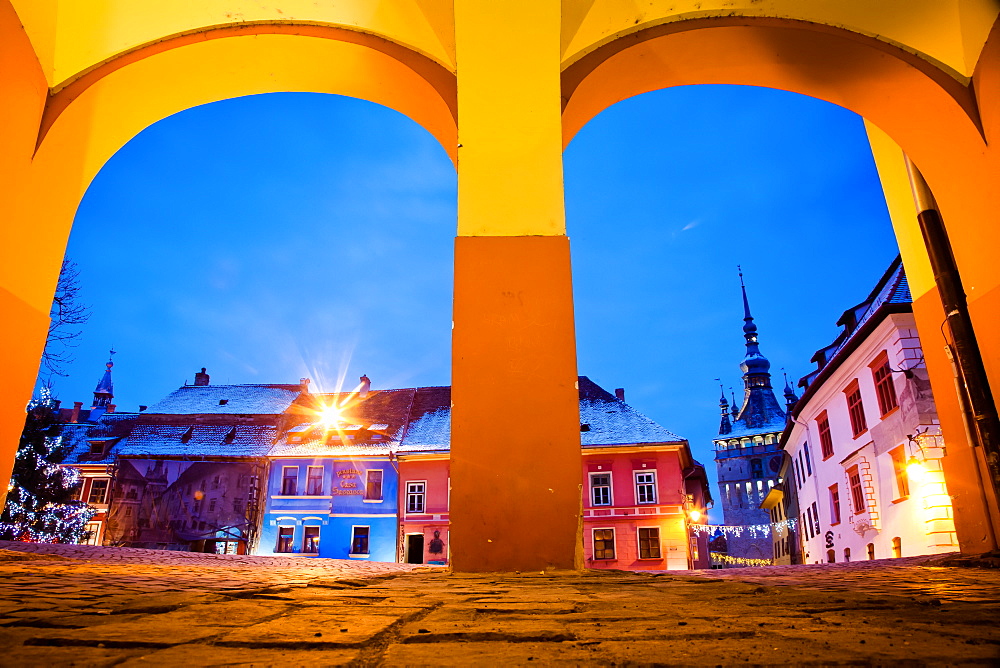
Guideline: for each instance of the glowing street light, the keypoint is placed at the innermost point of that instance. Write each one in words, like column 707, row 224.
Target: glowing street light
column 329, row 416
column 915, row 469
column 694, row 515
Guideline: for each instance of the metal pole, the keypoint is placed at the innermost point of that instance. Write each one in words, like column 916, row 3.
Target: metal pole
column 982, row 418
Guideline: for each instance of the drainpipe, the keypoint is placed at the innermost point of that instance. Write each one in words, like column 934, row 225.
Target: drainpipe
column 977, row 400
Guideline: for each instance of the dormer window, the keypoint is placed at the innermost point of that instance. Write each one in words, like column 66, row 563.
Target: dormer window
column 186, row 436
column 223, row 402
column 231, row 436
column 97, row 447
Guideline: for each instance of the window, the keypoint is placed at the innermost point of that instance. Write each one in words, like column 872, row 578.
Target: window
column 359, row 540
column 132, row 493
column 285, row 536
column 237, row 505
column 289, row 480
column 649, row 543
column 604, row 543
column 809, row 466
column 310, row 542
column 847, row 554
column 314, row 480
column 825, row 440
column 211, row 505
column 805, row 525
column 798, row 473
column 645, row 487
column 856, row 409
column 215, row 482
column 600, row 489
column 415, row 492
column 92, row 529
column 756, row 468
column 899, row 469
column 834, row 504
column 885, row 391
column 897, row 547
column 815, row 510
column 373, row 486
column 97, row 447
column 857, row 494
column 128, row 511
column 98, row 490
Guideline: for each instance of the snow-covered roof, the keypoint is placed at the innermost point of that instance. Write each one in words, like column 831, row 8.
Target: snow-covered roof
column 109, row 428
column 227, row 399
column 613, row 422
column 891, row 294
column 199, row 440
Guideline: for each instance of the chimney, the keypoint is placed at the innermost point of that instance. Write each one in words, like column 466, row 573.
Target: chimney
column 620, row 393
column 75, row 417
column 304, row 382
column 142, row 408
column 201, row 378
column 366, row 385
column 112, row 407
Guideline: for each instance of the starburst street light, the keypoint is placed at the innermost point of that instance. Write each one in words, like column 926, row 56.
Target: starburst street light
column 330, row 416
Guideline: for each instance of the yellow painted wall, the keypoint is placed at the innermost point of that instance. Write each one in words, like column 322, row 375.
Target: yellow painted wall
column 74, row 35
column 950, row 33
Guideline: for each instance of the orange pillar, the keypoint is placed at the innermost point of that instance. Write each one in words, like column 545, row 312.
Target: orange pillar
column 515, row 439
column 25, row 311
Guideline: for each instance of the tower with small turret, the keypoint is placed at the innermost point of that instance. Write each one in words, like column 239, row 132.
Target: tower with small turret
column 747, row 455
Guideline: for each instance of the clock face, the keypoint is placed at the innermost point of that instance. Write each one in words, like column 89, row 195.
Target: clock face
column 774, row 464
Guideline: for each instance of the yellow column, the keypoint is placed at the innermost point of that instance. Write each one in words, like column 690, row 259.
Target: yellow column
column 515, row 449
column 29, row 263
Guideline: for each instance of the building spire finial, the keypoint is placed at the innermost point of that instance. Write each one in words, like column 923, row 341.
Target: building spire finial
column 105, row 390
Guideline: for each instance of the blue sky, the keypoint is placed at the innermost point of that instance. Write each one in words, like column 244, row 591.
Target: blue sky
column 279, row 236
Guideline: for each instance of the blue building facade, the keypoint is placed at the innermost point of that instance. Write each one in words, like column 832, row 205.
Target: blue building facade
column 338, row 507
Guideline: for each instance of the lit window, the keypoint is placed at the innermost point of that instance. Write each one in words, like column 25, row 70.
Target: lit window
column 885, row 391
column 310, row 541
column 856, row 409
column 314, row 480
column 898, row 457
column 415, row 493
column 649, row 543
column 373, row 485
column 604, row 543
column 289, row 480
column 645, row 487
column 98, row 490
column 600, row 489
column 285, row 536
column 359, row 540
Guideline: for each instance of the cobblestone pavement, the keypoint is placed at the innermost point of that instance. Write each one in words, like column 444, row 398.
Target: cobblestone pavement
column 89, row 606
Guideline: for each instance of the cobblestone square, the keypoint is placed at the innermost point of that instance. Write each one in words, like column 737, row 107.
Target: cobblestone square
column 93, row 606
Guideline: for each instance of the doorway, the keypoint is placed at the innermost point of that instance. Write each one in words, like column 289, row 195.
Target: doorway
column 415, row 548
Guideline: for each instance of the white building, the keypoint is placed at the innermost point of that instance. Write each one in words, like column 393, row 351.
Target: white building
column 865, row 443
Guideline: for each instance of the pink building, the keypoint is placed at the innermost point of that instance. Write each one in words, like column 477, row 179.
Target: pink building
column 640, row 486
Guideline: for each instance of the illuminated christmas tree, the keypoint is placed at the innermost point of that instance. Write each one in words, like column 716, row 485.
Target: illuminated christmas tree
column 40, row 505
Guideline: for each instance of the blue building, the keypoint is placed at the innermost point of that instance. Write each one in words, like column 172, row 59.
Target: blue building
column 333, row 486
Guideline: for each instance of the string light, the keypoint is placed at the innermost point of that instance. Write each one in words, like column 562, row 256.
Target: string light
column 739, row 561
column 755, row 530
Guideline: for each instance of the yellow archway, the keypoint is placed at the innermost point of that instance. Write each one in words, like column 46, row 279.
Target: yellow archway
column 79, row 78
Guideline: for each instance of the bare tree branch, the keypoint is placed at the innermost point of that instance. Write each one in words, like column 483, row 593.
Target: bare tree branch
column 67, row 316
